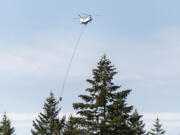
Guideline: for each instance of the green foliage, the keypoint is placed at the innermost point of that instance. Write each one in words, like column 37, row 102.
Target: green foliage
column 72, row 128
column 157, row 130
column 5, row 127
column 137, row 124
column 119, row 114
column 48, row 122
column 104, row 110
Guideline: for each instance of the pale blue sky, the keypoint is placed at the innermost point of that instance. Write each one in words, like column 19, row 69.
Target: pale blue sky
column 140, row 37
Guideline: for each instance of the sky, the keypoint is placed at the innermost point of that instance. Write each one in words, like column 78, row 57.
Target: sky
column 140, row 37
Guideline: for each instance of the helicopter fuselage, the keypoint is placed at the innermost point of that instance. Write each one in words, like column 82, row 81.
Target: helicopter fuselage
column 85, row 20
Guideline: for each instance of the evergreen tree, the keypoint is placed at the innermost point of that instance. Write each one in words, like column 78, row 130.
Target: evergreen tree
column 72, row 128
column 119, row 114
column 137, row 124
column 157, row 130
column 5, row 127
column 48, row 122
column 104, row 110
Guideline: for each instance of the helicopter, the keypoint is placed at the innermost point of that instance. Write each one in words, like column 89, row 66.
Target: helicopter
column 85, row 20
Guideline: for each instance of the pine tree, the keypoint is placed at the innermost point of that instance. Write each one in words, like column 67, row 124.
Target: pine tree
column 48, row 122
column 157, row 130
column 104, row 110
column 119, row 114
column 72, row 128
column 137, row 124
column 5, row 127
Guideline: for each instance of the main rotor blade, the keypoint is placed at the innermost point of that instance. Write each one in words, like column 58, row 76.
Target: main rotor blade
column 86, row 14
column 97, row 15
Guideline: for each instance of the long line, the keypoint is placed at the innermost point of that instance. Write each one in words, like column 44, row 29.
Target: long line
column 70, row 62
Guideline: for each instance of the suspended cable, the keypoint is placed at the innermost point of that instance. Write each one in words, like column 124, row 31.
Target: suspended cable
column 70, row 62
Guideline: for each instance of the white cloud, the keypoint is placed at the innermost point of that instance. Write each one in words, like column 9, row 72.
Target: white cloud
column 30, row 116
column 135, row 60
column 163, row 116
column 173, row 116
column 38, row 62
column 153, row 58
column 21, row 116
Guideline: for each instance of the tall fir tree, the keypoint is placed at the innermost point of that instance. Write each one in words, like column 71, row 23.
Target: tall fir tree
column 72, row 128
column 104, row 110
column 48, row 122
column 120, row 114
column 137, row 124
column 5, row 126
column 157, row 130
